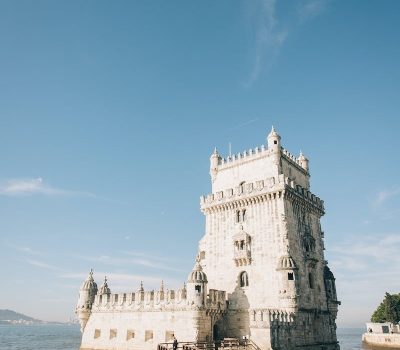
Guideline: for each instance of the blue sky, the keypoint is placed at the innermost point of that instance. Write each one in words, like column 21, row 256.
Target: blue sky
column 109, row 112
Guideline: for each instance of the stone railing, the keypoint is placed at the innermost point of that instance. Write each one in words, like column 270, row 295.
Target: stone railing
column 269, row 317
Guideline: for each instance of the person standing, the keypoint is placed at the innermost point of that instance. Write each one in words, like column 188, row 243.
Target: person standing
column 175, row 344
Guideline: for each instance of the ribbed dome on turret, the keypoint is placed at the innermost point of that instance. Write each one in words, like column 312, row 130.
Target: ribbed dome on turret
column 197, row 275
column 89, row 284
column 286, row 262
column 104, row 288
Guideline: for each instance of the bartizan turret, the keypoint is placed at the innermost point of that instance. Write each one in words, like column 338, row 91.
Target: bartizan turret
column 303, row 161
column 274, row 140
column 87, row 294
column 274, row 147
column 214, row 162
column 197, row 286
column 288, row 271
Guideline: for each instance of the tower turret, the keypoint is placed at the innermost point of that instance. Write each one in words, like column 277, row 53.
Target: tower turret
column 87, row 294
column 274, row 140
column 288, row 291
column 197, row 286
column 303, row 161
column 214, row 161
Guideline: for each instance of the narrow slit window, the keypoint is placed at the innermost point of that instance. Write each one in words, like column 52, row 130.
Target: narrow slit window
column 311, row 280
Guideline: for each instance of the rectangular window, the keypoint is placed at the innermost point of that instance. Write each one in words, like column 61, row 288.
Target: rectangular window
column 290, row 276
column 169, row 336
column 97, row 333
column 113, row 333
column 148, row 335
column 130, row 334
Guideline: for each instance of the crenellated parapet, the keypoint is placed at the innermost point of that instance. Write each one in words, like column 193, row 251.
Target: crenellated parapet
column 259, row 191
column 156, row 301
column 256, row 153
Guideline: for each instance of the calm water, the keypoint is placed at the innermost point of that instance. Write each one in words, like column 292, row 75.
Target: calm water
column 67, row 337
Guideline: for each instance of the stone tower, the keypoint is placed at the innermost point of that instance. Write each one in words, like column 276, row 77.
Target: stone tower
column 264, row 246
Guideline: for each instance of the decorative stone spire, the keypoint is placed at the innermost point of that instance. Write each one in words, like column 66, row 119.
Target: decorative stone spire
column 141, row 289
column 162, row 286
column 104, row 288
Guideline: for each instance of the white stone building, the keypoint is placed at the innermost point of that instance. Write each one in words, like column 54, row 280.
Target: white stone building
column 260, row 272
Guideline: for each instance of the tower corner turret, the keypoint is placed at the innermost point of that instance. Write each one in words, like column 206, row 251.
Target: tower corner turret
column 274, row 140
column 197, row 286
column 87, row 293
column 214, row 162
column 304, row 162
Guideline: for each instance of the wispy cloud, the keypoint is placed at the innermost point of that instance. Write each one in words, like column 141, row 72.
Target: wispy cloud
column 241, row 125
column 384, row 195
column 24, row 249
column 271, row 32
column 42, row 265
column 26, row 187
column 309, row 9
column 269, row 37
column 132, row 259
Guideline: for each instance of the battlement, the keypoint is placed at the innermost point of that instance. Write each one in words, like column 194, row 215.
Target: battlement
column 156, row 301
column 246, row 154
column 263, row 190
column 258, row 152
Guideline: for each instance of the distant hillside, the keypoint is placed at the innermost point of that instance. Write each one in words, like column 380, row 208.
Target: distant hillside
column 9, row 316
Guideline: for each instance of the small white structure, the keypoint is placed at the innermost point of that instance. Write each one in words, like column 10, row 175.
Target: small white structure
column 260, row 272
column 383, row 334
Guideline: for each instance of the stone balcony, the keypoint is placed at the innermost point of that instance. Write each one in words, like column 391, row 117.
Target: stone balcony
column 242, row 257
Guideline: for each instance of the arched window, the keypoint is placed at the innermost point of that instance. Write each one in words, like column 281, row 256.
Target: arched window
column 244, row 279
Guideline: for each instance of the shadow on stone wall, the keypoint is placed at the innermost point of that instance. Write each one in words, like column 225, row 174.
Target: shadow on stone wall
column 236, row 322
